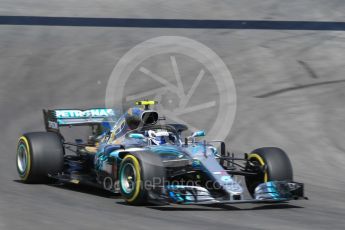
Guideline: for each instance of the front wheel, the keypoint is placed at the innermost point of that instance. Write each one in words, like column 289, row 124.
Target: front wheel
column 131, row 180
column 141, row 178
column 274, row 164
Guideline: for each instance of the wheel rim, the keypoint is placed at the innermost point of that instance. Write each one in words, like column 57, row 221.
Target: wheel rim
column 128, row 178
column 22, row 159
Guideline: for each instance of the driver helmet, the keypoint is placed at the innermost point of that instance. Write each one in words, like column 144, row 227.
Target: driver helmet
column 158, row 137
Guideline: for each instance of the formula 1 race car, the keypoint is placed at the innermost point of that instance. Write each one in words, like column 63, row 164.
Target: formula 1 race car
column 147, row 161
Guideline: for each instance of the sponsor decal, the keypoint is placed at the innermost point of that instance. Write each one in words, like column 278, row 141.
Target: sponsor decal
column 196, row 163
column 53, row 125
column 94, row 113
column 226, row 178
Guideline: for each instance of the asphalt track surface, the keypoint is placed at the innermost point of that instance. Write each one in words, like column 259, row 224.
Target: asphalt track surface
column 290, row 87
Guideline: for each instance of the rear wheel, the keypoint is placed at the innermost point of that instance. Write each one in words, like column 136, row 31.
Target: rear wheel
column 38, row 154
column 274, row 164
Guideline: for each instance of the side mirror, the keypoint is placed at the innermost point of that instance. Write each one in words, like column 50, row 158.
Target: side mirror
column 200, row 133
column 136, row 136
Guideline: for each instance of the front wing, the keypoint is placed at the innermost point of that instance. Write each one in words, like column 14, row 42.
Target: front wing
column 269, row 192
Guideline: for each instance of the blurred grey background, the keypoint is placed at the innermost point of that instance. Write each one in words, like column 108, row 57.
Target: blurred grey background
column 290, row 84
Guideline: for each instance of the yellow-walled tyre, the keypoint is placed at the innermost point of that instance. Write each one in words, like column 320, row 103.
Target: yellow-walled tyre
column 130, row 178
column 141, row 175
column 276, row 163
column 38, row 154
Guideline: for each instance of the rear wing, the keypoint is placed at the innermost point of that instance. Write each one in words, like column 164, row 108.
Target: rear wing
column 53, row 119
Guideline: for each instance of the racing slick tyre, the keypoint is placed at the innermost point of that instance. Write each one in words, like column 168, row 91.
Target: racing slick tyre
column 39, row 154
column 274, row 164
column 141, row 178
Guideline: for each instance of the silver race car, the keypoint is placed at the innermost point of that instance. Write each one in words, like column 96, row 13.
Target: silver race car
column 148, row 161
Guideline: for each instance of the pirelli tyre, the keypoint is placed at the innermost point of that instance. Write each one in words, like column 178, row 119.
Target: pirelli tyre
column 274, row 163
column 141, row 178
column 38, row 154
